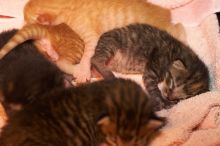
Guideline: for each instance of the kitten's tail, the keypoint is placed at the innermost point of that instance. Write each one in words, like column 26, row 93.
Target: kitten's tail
column 32, row 31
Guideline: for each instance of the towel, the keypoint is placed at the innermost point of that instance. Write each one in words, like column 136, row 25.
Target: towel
column 192, row 122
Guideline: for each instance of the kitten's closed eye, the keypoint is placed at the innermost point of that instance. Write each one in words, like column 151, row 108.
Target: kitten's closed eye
column 172, row 87
column 176, row 85
column 166, row 87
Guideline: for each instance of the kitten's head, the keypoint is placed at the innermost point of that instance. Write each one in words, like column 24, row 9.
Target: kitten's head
column 179, row 83
column 131, row 120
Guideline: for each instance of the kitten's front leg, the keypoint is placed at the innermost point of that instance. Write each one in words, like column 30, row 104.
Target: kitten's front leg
column 150, row 79
column 82, row 71
column 99, row 63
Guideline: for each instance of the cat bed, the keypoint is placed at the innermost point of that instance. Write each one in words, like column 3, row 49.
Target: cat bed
column 192, row 122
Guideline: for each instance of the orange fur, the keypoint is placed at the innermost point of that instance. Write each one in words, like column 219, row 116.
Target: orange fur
column 68, row 45
column 91, row 18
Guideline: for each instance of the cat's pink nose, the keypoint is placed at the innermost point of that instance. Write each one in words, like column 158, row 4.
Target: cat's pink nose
column 171, row 96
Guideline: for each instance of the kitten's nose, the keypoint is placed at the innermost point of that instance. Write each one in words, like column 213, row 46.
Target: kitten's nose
column 169, row 94
column 172, row 97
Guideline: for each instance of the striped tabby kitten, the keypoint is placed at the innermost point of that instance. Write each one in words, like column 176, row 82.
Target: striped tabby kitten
column 118, row 110
column 91, row 18
column 25, row 74
column 140, row 48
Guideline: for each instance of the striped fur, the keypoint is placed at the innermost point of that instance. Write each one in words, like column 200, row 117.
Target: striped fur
column 91, row 18
column 140, row 48
column 62, row 38
column 72, row 117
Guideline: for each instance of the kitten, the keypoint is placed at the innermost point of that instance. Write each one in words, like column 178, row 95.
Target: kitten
column 62, row 38
column 141, row 48
column 79, row 116
column 25, row 74
column 92, row 18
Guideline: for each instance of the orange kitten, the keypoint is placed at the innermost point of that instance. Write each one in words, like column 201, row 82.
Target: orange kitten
column 66, row 43
column 91, row 18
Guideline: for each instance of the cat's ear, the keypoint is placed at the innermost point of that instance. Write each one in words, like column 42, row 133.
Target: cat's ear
column 107, row 126
column 178, row 64
column 151, row 126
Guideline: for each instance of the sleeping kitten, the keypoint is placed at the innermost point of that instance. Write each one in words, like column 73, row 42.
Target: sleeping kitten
column 62, row 38
column 78, row 116
column 92, row 18
column 25, row 74
column 140, row 48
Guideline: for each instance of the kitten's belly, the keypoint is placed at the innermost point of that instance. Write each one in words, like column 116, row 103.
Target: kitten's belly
column 126, row 64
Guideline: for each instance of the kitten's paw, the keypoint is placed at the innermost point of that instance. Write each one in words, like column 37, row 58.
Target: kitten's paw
column 81, row 73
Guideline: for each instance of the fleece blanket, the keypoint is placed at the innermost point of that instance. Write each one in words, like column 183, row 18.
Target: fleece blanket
column 192, row 122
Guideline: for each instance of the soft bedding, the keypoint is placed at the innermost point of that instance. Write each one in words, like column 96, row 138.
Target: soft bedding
column 194, row 121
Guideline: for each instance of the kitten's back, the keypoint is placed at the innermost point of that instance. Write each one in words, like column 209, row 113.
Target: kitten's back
column 71, row 117
column 101, row 15
column 25, row 74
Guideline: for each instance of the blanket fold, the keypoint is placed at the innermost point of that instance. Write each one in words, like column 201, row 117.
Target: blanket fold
column 192, row 122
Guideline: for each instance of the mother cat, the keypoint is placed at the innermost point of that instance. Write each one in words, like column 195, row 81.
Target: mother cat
column 91, row 18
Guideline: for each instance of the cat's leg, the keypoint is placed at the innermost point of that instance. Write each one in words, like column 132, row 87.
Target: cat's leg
column 98, row 61
column 150, row 80
column 82, row 71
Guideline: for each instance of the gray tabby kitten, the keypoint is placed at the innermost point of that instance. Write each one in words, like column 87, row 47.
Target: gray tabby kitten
column 78, row 116
column 141, row 48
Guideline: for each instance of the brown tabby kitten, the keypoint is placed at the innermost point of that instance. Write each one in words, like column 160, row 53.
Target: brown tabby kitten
column 67, row 44
column 91, row 18
column 75, row 116
column 25, row 74
column 141, row 48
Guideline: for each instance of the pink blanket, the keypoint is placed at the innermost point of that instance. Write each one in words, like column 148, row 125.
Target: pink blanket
column 192, row 122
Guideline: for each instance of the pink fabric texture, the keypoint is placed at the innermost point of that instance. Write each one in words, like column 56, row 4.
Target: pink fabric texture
column 170, row 4
column 192, row 122
column 189, row 12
